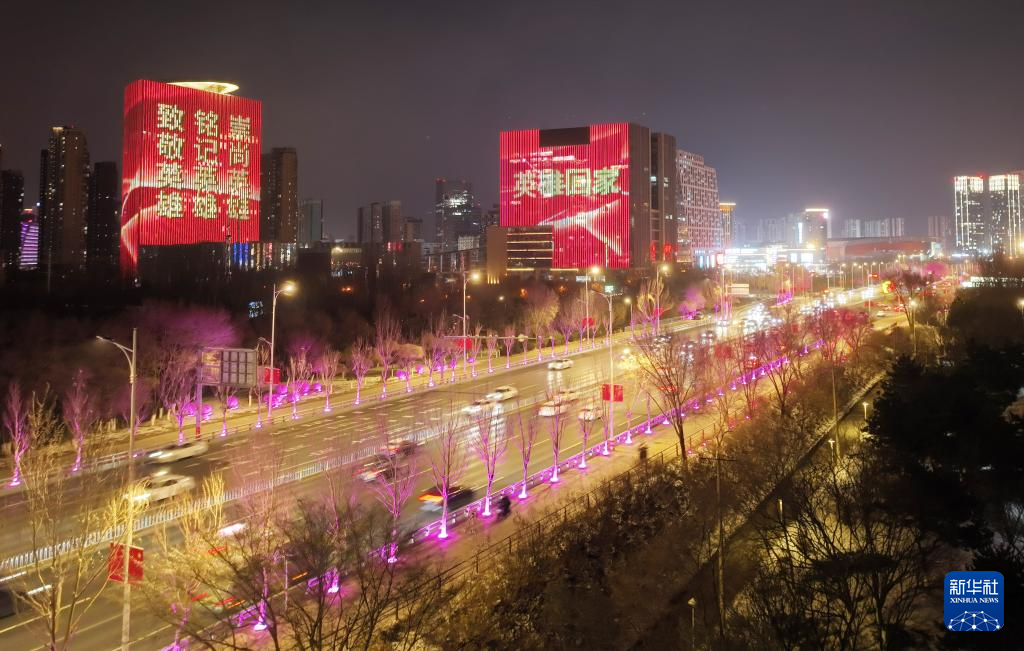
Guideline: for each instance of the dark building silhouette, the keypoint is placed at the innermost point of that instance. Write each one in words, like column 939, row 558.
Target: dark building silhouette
column 64, row 194
column 12, row 200
column 103, row 223
column 457, row 213
column 311, row 221
column 279, row 196
column 370, row 226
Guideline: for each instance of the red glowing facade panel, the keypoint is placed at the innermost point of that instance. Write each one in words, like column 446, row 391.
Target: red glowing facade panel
column 577, row 184
column 191, row 168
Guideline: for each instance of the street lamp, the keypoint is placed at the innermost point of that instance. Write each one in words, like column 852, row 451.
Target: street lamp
column 865, row 406
column 126, row 594
column 913, row 325
column 288, row 288
column 594, row 271
column 692, row 603
column 608, row 296
column 1020, row 306
column 466, row 277
column 629, row 302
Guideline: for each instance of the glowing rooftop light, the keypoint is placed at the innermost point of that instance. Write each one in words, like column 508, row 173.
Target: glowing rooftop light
column 219, row 87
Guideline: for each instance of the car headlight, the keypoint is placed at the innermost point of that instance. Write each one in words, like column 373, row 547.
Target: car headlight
column 155, row 455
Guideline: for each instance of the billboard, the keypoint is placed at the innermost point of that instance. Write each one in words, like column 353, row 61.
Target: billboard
column 191, row 168
column 575, row 181
column 230, row 367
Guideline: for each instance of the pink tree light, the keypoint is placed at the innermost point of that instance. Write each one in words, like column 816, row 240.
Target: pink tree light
column 16, row 424
column 492, row 347
column 224, row 395
column 490, row 437
column 586, row 427
column 359, row 362
column 393, row 487
column 79, row 414
column 509, row 340
column 556, row 431
column 386, row 342
column 525, row 435
column 327, row 368
column 447, row 460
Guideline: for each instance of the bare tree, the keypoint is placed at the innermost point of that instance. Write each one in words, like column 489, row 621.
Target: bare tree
column 224, row 396
column 177, row 387
column 779, row 353
column 79, row 413
column 747, row 374
column 672, row 367
column 556, row 431
column 565, row 322
column 908, row 285
column 509, row 340
column 299, row 370
column 387, row 338
column 475, row 346
column 406, row 358
column 524, row 436
column 492, row 348
column 64, row 577
column 360, row 362
column 393, row 487
column 489, row 438
column 15, row 422
column 447, row 459
column 720, row 376
column 327, row 368
column 586, row 427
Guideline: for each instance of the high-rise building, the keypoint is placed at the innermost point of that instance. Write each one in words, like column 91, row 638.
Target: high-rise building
column 12, row 202
column 969, row 215
column 413, row 229
column 607, row 192
column 392, row 222
column 65, row 199
column 279, row 196
column 939, row 230
column 853, row 229
column 1005, row 222
column 103, row 220
column 456, row 212
column 28, row 249
column 808, row 229
column 370, row 224
column 726, row 209
column 886, row 227
column 311, row 221
column 700, row 215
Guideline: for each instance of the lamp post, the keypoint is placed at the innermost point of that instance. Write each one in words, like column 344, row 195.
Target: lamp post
column 259, row 398
column 1020, row 306
column 466, row 277
column 632, row 333
column 865, row 406
column 692, row 603
column 661, row 269
column 288, row 289
column 586, row 300
column 913, row 326
column 126, row 594
column 608, row 296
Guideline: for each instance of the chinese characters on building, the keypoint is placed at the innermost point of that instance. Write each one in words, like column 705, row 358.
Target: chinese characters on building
column 570, row 182
column 171, row 179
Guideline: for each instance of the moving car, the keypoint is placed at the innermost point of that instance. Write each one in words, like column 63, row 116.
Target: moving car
column 553, row 408
column 566, row 395
column 380, row 466
column 458, row 496
column 560, row 364
column 503, row 393
column 589, row 414
column 478, row 405
column 177, row 452
column 161, row 487
column 403, row 448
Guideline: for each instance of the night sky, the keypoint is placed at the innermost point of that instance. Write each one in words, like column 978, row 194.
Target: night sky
column 867, row 107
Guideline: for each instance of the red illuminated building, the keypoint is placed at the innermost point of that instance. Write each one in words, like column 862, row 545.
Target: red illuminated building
column 605, row 191
column 191, row 171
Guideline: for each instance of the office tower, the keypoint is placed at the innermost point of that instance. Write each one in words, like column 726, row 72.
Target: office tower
column 726, row 210
column 12, row 200
column 812, row 228
column 279, row 196
column 413, row 229
column 969, row 215
column 392, row 222
column 1005, row 222
column 64, row 199
column 311, row 221
column 939, row 230
column 700, row 215
column 886, row 227
column 28, row 249
column 370, row 224
column 456, row 212
column 605, row 192
column 103, row 220
column 852, row 229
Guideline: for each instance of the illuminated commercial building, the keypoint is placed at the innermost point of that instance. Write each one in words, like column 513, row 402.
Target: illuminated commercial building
column 64, row 198
column 700, row 232
column 811, row 228
column 12, row 202
column 607, row 192
column 969, row 217
column 726, row 210
column 279, row 196
column 456, row 212
column 28, row 248
column 1005, row 213
column 191, row 168
column 103, row 221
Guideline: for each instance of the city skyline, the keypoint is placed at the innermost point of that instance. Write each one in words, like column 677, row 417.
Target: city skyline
column 771, row 159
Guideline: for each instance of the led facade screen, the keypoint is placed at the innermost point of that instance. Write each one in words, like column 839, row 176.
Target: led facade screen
column 576, row 183
column 191, row 168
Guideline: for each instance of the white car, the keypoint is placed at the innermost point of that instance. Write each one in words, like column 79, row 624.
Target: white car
column 589, row 414
column 478, row 405
column 162, row 487
column 503, row 393
column 553, row 408
column 565, row 395
column 560, row 364
column 176, row 452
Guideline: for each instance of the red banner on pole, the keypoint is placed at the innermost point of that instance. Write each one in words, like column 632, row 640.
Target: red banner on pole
column 607, row 393
column 265, row 375
column 115, row 563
